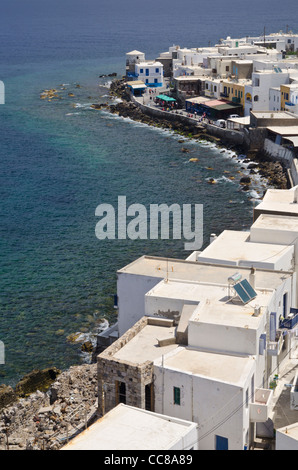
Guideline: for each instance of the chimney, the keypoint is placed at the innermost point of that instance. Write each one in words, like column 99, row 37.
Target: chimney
column 252, row 277
column 295, row 195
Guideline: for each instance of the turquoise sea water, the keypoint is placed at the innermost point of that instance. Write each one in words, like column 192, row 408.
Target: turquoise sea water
column 61, row 159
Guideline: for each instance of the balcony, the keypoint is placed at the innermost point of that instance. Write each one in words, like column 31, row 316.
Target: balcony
column 274, row 347
column 132, row 75
column 260, row 409
column 291, row 321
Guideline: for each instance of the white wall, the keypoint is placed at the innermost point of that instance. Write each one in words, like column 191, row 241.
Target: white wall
column 261, row 84
column 274, row 99
column 286, row 441
column 278, row 151
column 141, row 68
column 131, row 290
column 160, row 306
column 227, row 339
column 218, row 407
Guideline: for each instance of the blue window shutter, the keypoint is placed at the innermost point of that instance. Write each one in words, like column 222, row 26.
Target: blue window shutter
column 272, row 326
column 261, row 346
column 263, row 337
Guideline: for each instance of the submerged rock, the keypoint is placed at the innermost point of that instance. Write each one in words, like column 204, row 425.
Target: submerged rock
column 36, row 380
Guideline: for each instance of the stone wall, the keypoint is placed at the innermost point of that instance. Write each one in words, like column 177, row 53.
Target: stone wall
column 112, row 372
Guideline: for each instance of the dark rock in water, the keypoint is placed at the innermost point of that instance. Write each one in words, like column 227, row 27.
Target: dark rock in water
column 36, row 380
column 245, row 180
column 114, row 74
column 7, row 396
column 87, row 347
column 98, row 105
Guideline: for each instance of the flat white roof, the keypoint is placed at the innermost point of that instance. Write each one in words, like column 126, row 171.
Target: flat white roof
column 237, row 249
column 284, row 130
column 277, row 222
column 187, row 78
column 293, row 140
column 129, row 428
column 149, row 62
column 273, row 115
column 220, row 367
column 291, row 430
column 198, row 100
column 144, row 345
column 216, row 304
column 279, row 200
column 169, row 268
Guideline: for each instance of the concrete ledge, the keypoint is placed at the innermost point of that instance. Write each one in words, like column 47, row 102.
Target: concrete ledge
column 160, row 321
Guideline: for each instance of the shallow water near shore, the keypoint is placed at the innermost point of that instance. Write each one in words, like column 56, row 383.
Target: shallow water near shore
column 60, row 159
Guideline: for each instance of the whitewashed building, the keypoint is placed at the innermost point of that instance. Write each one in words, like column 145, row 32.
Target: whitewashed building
column 150, row 72
column 133, row 58
column 235, row 309
column 287, row 437
column 257, row 95
column 129, row 428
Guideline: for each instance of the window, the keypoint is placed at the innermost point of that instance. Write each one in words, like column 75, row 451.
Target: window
column 227, row 68
column 215, row 88
column 176, row 395
column 155, row 80
column 141, row 70
column 156, row 70
column 285, row 304
column 256, row 98
column 147, row 72
column 149, row 397
column 120, row 392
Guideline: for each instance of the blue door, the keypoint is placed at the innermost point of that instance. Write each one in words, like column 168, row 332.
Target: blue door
column 221, row 443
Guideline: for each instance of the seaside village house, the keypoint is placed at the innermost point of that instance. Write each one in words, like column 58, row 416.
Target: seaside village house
column 204, row 339
column 150, row 73
column 232, row 78
column 201, row 343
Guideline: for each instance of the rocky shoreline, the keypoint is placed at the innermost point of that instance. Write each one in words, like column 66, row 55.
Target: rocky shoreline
column 259, row 162
column 46, row 418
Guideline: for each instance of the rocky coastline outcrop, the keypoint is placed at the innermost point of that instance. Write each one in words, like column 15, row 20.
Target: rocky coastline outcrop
column 46, row 418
